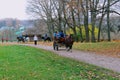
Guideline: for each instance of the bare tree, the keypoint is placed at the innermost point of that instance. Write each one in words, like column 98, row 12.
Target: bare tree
column 85, row 10
column 103, row 9
column 93, row 10
column 42, row 9
column 59, row 14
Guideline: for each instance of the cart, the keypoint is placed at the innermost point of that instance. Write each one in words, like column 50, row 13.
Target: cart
column 57, row 43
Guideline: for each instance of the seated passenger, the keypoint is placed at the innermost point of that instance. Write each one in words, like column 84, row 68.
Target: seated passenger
column 61, row 34
column 58, row 36
column 46, row 36
column 55, row 35
column 61, row 37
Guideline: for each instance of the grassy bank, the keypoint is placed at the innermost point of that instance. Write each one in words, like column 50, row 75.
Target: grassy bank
column 102, row 48
column 27, row 63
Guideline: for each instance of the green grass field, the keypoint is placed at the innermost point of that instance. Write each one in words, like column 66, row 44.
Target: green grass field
column 27, row 63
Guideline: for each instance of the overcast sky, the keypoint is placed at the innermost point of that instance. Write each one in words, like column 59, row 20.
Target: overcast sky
column 13, row 9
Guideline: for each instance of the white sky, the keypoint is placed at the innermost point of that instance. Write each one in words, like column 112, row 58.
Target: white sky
column 13, row 9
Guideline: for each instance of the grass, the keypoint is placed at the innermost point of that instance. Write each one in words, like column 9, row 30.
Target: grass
column 102, row 48
column 27, row 63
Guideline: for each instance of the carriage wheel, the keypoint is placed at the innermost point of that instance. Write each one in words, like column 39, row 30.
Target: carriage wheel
column 57, row 47
column 54, row 45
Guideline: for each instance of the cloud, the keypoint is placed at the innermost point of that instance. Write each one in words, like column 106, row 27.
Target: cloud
column 13, row 9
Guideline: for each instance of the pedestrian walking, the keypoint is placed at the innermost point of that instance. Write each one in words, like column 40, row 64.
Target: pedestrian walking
column 35, row 40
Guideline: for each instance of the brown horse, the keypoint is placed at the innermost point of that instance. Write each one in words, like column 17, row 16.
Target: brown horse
column 69, row 42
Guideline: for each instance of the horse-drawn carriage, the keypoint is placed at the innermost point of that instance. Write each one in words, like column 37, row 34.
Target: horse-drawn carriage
column 20, row 38
column 63, row 42
column 58, row 43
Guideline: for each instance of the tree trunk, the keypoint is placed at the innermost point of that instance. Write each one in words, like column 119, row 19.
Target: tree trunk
column 108, row 18
column 100, row 24
column 81, row 37
column 86, row 28
column 93, row 17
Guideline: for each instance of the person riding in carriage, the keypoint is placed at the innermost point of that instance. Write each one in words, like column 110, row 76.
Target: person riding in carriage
column 55, row 35
column 60, row 36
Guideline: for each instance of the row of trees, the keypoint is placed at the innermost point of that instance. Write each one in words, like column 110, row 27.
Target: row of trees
column 64, row 14
column 9, row 22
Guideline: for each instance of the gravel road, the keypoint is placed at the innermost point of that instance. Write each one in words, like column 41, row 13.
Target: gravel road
column 98, row 60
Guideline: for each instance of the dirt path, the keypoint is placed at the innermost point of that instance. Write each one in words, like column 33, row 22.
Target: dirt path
column 98, row 60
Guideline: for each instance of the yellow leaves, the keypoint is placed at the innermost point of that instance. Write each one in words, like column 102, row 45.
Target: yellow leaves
column 91, row 75
column 70, row 31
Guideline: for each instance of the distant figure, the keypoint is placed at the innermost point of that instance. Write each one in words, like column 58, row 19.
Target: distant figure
column 2, row 39
column 6, row 39
column 46, row 36
column 35, row 40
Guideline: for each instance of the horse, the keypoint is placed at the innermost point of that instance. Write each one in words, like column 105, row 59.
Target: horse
column 20, row 38
column 69, row 42
column 46, row 38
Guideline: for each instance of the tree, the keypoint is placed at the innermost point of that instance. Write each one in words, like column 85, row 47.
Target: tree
column 42, row 9
column 85, row 10
column 93, row 7
column 103, row 10
column 108, row 18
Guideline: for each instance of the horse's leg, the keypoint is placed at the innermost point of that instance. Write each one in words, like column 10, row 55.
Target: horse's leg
column 44, row 40
column 18, row 41
column 23, row 41
column 67, row 47
column 49, row 39
column 70, row 47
